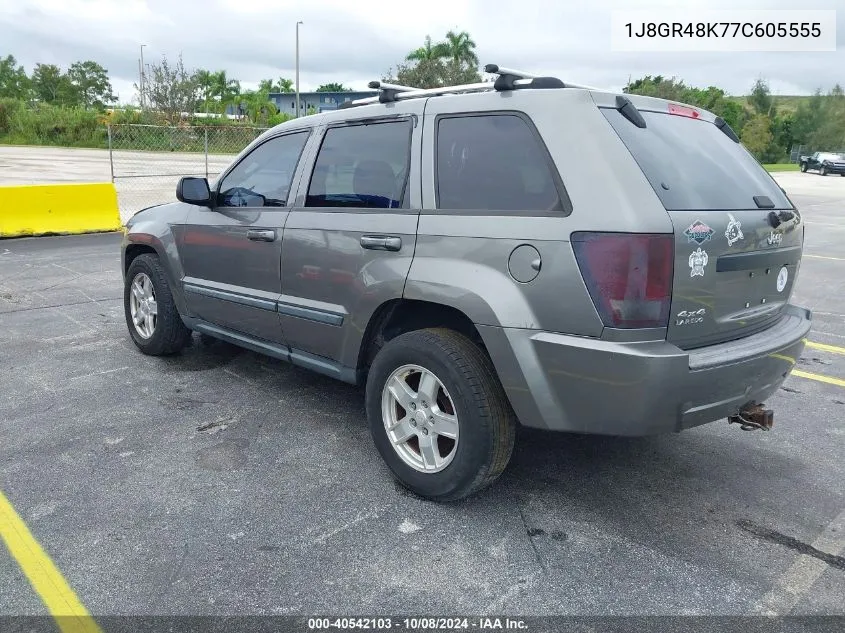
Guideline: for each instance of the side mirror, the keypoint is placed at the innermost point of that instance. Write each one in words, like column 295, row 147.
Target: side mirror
column 193, row 191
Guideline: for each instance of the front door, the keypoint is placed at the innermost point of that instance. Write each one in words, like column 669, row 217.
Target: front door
column 232, row 252
column 350, row 240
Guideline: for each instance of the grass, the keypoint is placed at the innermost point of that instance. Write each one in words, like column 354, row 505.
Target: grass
column 783, row 103
column 782, row 167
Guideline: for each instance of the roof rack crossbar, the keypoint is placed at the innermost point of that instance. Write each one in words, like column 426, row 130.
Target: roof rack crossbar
column 495, row 69
column 429, row 92
column 508, row 79
column 383, row 85
column 581, row 86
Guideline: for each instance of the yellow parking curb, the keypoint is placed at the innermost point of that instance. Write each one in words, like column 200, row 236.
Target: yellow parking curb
column 58, row 209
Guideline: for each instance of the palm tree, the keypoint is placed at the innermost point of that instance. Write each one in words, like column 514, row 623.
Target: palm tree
column 205, row 81
column 266, row 85
column 333, row 87
column 285, row 85
column 428, row 52
column 460, row 48
column 225, row 90
column 257, row 105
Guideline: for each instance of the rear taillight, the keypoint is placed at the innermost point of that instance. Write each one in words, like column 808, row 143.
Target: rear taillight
column 628, row 276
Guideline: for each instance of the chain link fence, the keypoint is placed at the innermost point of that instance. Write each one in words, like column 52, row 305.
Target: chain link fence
column 798, row 151
column 147, row 160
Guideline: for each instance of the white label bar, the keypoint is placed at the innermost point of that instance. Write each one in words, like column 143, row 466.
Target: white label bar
column 722, row 30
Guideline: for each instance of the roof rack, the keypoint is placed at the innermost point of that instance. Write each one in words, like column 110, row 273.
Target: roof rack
column 508, row 79
column 495, row 69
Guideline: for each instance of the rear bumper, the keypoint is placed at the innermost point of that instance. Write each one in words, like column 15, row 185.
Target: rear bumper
column 569, row 383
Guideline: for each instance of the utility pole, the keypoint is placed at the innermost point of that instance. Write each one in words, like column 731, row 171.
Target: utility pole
column 142, row 76
column 297, row 68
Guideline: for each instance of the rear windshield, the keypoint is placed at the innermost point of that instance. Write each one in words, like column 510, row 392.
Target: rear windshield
column 693, row 166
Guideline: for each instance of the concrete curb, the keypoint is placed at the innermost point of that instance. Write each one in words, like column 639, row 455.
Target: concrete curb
column 58, row 209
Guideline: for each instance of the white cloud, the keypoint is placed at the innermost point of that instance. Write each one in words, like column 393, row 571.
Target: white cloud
column 354, row 42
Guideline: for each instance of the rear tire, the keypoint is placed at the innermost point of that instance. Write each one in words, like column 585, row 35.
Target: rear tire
column 484, row 421
column 164, row 333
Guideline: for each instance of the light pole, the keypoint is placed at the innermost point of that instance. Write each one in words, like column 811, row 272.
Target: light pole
column 297, row 68
column 141, row 86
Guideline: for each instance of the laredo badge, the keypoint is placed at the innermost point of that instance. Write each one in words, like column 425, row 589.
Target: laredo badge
column 734, row 230
column 697, row 261
column 698, row 232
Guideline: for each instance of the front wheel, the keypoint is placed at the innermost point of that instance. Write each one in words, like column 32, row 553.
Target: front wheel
column 804, row 167
column 151, row 315
column 823, row 171
column 438, row 414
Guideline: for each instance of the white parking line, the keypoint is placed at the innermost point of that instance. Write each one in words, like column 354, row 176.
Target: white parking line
column 838, row 259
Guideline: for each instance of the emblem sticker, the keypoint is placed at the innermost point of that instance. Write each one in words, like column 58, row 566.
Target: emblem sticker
column 774, row 239
column 734, row 230
column 783, row 277
column 697, row 261
column 698, row 232
column 691, row 317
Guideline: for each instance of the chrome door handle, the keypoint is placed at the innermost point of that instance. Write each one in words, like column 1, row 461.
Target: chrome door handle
column 261, row 235
column 381, row 242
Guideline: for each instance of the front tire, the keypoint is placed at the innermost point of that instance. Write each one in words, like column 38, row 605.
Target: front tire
column 151, row 315
column 438, row 414
column 823, row 171
column 804, row 168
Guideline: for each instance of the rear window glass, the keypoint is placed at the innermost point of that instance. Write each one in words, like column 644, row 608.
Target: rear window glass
column 693, row 166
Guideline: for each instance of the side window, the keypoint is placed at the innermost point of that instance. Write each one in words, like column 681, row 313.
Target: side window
column 263, row 177
column 493, row 162
column 362, row 166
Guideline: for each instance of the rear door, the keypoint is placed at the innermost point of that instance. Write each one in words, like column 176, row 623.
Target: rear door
column 738, row 238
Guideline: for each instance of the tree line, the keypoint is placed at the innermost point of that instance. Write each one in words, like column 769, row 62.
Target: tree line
column 168, row 88
column 84, row 84
column 767, row 128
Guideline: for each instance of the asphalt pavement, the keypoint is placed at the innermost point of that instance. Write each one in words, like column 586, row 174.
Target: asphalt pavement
column 223, row 482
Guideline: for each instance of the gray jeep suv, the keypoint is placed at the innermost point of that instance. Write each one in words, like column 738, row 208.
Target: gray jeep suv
column 486, row 255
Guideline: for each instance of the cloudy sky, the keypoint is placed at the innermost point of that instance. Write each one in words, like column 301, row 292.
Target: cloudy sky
column 355, row 41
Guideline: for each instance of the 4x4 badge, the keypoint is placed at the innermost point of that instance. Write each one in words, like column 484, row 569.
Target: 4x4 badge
column 698, row 232
column 734, row 230
column 691, row 317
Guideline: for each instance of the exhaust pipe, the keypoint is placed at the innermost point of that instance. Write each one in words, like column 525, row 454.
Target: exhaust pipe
column 753, row 416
